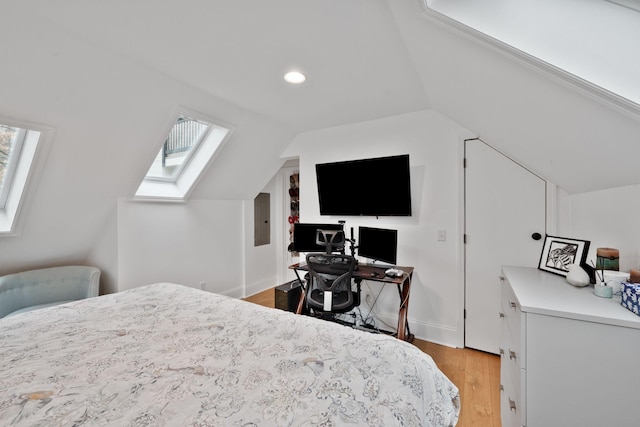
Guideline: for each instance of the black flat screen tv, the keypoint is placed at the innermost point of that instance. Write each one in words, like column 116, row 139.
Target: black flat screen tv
column 368, row 187
column 378, row 244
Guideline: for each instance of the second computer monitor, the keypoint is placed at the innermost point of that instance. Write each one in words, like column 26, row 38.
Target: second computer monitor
column 378, row 244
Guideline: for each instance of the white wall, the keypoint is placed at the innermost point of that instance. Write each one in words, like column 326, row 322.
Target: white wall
column 185, row 243
column 104, row 254
column 433, row 144
column 189, row 243
column 266, row 266
column 261, row 265
column 608, row 218
column 109, row 114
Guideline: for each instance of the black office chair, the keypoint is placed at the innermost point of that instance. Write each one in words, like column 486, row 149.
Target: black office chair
column 334, row 273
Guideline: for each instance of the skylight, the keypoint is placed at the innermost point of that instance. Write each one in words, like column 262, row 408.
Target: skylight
column 592, row 43
column 11, row 139
column 183, row 140
column 189, row 146
column 18, row 148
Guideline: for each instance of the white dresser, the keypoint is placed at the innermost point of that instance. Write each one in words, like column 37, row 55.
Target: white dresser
column 568, row 358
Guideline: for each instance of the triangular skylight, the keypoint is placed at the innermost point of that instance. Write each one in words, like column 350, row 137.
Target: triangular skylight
column 188, row 148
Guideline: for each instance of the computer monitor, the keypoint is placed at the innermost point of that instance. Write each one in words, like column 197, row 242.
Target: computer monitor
column 378, row 244
column 305, row 236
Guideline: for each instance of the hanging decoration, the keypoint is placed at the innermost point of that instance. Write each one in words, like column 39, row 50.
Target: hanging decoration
column 294, row 203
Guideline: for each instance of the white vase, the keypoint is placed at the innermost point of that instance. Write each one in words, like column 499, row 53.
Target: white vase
column 577, row 276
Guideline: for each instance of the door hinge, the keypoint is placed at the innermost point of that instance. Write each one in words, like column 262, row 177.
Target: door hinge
column 464, row 162
column 464, row 239
column 464, row 313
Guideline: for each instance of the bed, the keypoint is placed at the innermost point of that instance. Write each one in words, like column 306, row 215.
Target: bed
column 170, row 355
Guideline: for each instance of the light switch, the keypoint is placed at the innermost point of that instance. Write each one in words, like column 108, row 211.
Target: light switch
column 442, row 235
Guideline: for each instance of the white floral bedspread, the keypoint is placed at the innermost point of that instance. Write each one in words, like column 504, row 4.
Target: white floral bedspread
column 169, row 355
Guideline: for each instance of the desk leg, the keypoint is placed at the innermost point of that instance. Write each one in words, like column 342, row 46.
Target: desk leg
column 301, row 301
column 403, row 323
column 303, row 294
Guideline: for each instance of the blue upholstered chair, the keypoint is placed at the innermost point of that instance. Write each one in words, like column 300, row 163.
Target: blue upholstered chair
column 45, row 287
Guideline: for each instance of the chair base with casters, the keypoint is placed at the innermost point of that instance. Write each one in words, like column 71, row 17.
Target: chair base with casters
column 333, row 316
column 329, row 284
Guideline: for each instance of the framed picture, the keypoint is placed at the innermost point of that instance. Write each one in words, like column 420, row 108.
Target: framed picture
column 558, row 253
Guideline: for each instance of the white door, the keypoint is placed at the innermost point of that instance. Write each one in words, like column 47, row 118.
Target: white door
column 505, row 205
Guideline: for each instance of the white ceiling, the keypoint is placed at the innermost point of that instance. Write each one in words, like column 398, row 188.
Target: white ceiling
column 356, row 61
column 365, row 59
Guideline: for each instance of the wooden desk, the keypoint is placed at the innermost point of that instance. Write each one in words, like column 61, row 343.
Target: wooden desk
column 376, row 274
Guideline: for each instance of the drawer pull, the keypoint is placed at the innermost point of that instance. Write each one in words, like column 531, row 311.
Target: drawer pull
column 512, row 304
column 512, row 405
column 501, row 315
column 501, row 351
column 512, row 354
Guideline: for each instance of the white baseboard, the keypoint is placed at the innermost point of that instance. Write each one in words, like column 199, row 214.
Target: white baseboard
column 237, row 292
column 438, row 334
column 432, row 332
column 259, row 286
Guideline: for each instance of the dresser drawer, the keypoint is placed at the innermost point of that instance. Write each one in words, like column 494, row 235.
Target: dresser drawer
column 510, row 376
column 512, row 366
column 513, row 389
column 512, row 318
column 509, row 416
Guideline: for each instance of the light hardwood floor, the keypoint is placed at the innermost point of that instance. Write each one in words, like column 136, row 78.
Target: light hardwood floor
column 477, row 375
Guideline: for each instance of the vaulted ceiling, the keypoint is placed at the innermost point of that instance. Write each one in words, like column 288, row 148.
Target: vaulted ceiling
column 366, row 59
column 106, row 75
column 356, row 60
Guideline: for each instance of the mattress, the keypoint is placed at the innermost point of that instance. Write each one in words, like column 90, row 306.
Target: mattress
column 170, row 355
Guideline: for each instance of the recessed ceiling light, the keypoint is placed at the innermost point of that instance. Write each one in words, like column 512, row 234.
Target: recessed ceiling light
column 295, row 77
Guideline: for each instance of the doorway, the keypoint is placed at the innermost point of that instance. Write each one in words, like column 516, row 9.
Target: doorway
column 505, row 221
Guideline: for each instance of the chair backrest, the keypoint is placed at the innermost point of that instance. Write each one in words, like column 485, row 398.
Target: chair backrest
column 332, row 240
column 330, row 272
column 46, row 286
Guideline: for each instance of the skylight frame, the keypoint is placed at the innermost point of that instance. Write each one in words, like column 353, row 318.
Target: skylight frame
column 26, row 173
column 194, row 148
column 624, row 102
column 10, row 168
column 178, row 187
column 630, row 4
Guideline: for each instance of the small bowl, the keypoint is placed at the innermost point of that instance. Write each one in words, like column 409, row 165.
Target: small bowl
column 603, row 291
